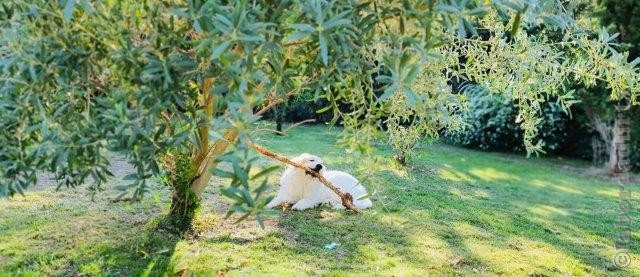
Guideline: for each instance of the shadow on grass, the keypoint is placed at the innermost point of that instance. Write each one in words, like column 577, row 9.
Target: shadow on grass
column 147, row 252
column 520, row 202
column 344, row 242
column 62, row 233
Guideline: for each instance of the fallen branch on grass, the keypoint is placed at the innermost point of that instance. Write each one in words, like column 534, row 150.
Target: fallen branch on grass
column 123, row 199
column 298, row 124
column 286, row 131
column 347, row 199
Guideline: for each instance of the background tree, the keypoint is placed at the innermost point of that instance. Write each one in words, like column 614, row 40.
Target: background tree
column 620, row 17
column 172, row 84
column 623, row 17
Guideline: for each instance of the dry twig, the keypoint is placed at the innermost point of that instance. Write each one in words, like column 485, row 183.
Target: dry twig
column 299, row 123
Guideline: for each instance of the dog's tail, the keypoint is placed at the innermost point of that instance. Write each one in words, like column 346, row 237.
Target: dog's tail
column 363, row 203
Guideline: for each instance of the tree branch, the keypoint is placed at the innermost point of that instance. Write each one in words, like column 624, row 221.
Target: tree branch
column 274, row 102
column 347, row 199
column 298, row 124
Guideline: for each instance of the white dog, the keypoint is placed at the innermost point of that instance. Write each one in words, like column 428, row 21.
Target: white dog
column 304, row 191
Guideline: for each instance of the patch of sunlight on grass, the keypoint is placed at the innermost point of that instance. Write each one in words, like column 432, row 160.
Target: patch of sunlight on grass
column 394, row 219
column 467, row 230
column 458, row 192
column 546, row 210
column 539, row 183
column 436, row 252
column 563, row 187
column 481, row 194
column 453, row 175
column 29, row 200
column 490, row 174
column 612, row 192
column 567, row 189
column 391, row 167
column 521, row 256
column 381, row 262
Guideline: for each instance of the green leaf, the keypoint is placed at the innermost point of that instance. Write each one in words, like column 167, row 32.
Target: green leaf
column 388, row 92
column 222, row 173
column 240, row 173
column 230, row 193
column 515, row 5
column 324, row 51
column 447, row 8
column 335, row 23
column 413, row 72
column 554, row 21
column 130, row 177
column 218, row 50
column 482, row 10
column 296, row 36
column 242, row 218
column 265, row 172
column 68, row 10
column 180, row 13
column 197, row 26
column 411, row 97
column 86, row 6
column 303, row 27
column 324, row 109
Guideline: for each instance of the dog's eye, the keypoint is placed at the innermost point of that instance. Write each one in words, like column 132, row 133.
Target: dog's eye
column 312, row 160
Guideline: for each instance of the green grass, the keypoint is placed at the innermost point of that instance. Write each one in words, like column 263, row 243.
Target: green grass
column 454, row 212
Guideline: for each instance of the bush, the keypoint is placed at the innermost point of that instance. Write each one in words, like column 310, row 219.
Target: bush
column 493, row 124
column 301, row 107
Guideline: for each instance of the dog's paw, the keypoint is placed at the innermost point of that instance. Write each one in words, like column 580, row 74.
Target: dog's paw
column 285, row 206
column 304, row 204
column 300, row 207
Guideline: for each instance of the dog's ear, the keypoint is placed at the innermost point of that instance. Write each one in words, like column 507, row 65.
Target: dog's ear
column 298, row 159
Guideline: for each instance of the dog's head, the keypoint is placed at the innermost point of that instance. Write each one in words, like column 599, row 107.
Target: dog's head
column 311, row 161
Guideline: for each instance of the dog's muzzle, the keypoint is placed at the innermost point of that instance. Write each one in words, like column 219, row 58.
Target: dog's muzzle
column 317, row 168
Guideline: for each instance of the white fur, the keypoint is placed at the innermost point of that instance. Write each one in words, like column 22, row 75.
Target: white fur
column 304, row 191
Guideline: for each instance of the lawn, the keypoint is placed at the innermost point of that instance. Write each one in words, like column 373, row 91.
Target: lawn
column 455, row 211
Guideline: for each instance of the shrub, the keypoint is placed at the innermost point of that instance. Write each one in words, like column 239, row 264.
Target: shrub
column 301, row 107
column 493, row 123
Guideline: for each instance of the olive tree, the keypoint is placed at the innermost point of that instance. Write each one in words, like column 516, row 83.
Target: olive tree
column 173, row 84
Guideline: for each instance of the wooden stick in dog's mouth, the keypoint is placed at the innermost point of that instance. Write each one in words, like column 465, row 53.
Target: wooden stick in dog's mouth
column 346, row 198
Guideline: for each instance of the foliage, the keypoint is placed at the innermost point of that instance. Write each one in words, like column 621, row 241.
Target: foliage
column 623, row 16
column 301, row 107
column 620, row 17
column 493, row 123
column 432, row 106
column 247, row 200
column 81, row 78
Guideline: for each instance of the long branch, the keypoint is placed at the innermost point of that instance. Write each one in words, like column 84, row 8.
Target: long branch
column 229, row 136
column 347, row 199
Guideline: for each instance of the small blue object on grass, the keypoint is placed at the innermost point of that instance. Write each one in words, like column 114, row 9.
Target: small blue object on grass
column 331, row 246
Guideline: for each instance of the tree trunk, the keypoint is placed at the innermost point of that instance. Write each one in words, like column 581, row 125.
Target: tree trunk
column 400, row 158
column 614, row 154
column 279, row 117
column 184, row 202
column 188, row 179
column 189, row 173
column 609, row 135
